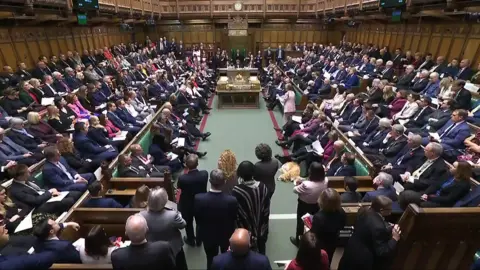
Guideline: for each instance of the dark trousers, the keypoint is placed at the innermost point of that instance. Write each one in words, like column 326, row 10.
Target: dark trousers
column 262, row 245
column 302, row 209
column 189, row 228
column 181, row 261
column 211, row 250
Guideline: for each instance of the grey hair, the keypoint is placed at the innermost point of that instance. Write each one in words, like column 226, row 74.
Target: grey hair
column 425, row 72
column 416, row 139
column 399, row 129
column 434, row 75
column 387, row 179
column 15, row 121
column 437, row 148
column 157, row 199
column 56, row 73
column 68, row 69
column 385, row 122
column 339, row 143
column 136, row 228
column 217, row 178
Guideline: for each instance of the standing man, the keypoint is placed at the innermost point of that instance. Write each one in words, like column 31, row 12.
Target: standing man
column 215, row 214
column 192, row 183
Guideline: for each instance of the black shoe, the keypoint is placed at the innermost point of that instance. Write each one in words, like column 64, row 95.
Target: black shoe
column 206, row 135
column 206, row 112
column 189, row 241
column 199, row 243
column 201, row 154
column 294, row 241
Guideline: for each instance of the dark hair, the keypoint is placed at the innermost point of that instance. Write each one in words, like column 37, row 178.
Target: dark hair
column 19, row 170
column 263, row 152
column 42, row 229
column 97, row 242
column 350, row 158
column 79, row 126
column 316, row 172
column 102, row 118
column 351, row 183
column 462, row 113
column 246, row 170
column 50, row 152
column 308, row 252
column 380, row 203
column 94, row 188
column 329, row 200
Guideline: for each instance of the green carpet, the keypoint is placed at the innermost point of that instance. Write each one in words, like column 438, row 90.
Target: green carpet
column 240, row 130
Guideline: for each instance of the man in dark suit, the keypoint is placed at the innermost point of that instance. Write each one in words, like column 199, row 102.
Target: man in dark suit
column 128, row 168
column 384, row 186
column 352, row 112
column 22, row 72
column 41, row 261
column 192, row 183
column 405, row 81
column 47, row 232
column 41, row 70
column 280, row 54
column 420, row 118
column 240, row 254
column 268, row 55
column 461, row 96
column 439, row 66
column 118, row 122
column 215, row 213
column 142, row 162
column 433, row 171
column 453, row 134
column 125, row 115
column 427, row 63
column 9, row 150
column 388, row 72
column 58, row 174
column 96, row 200
column 375, row 138
column 20, row 136
column 465, row 73
column 142, row 254
column 421, row 82
column 347, row 167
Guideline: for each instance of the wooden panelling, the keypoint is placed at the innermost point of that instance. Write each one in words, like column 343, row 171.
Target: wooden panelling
column 22, row 44
column 454, row 40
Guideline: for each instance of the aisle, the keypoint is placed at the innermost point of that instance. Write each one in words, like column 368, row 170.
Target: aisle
column 240, row 130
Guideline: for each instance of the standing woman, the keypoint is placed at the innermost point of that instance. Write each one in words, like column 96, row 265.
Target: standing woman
column 266, row 168
column 373, row 241
column 254, row 206
column 288, row 101
column 328, row 221
column 308, row 191
column 227, row 162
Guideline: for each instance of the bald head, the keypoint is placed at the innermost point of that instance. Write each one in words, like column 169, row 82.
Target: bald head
column 240, row 241
column 136, row 228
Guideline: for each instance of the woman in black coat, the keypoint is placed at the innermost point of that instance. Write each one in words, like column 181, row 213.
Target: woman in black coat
column 328, row 221
column 99, row 134
column 373, row 241
column 61, row 123
column 74, row 160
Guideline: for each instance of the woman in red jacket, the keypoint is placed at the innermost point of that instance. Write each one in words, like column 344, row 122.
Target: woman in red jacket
column 309, row 256
column 398, row 102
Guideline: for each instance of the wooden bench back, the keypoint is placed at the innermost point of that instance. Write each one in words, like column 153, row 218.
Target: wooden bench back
column 79, row 266
column 337, row 183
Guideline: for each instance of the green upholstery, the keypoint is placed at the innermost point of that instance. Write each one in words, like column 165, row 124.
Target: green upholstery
column 361, row 169
column 474, row 103
column 39, row 180
column 298, row 97
column 144, row 142
column 115, row 173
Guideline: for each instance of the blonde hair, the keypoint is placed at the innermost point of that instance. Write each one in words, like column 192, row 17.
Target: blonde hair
column 8, row 202
column 94, row 121
column 33, row 118
column 228, row 163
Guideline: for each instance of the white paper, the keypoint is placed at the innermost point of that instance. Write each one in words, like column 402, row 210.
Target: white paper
column 471, row 87
column 174, row 141
column 435, row 135
column 282, row 263
column 121, row 137
column 172, row 156
column 58, row 198
column 350, row 134
column 403, row 121
column 185, row 114
column 153, row 107
column 336, row 123
column 297, row 119
column 435, row 101
column 317, row 147
column 327, row 75
column 351, row 142
column 31, row 250
column 302, row 126
column 394, row 89
column 181, row 142
column 398, row 187
column 46, row 101
column 101, row 106
column 98, row 173
column 26, row 223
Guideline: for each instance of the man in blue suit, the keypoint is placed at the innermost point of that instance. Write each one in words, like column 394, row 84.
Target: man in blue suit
column 384, row 184
column 125, row 115
column 118, row 122
column 347, row 168
column 47, row 232
column 240, row 256
column 452, row 134
column 215, row 213
column 351, row 80
column 40, row 261
column 89, row 148
column 410, row 158
column 59, row 175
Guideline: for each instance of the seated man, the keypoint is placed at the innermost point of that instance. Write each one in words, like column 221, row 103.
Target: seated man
column 96, row 200
column 364, row 125
column 47, row 232
column 27, row 195
column 126, row 168
column 59, row 175
column 148, row 162
column 433, row 171
column 123, row 113
column 118, row 122
column 88, row 148
column 384, row 186
column 390, row 146
column 20, row 136
column 435, row 120
column 11, row 151
column 347, row 167
column 350, row 195
column 375, row 137
column 4, row 118
column 420, row 118
column 408, row 159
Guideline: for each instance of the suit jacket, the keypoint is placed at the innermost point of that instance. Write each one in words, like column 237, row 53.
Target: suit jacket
column 369, row 126
column 370, row 246
column 252, row 260
column 64, row 250
column 326, row 226
column 24, row 140
column 40, row 261
column 419, row 85
column 465, row 74
column 393, row 147
column 43, row 131
column 165, row 226
column 375, row 138
column 345, row 170
column 215, row 214
column 102, row 203
column 146, row 256
column 25, row 197
column 387, row 74
column 420, row 118
column 351, row 81
column 463, row 100
column 99, row 135
column 449, row 194
column 125, row 116
column 350, row 197
column 192, row 183
column 87, row 147
column 9, row 150
column 117, row 121
column 55, row 177
column 408, row 159
column 455, row 137
column 405, row 81
column 389, row 192
column 472, row 199
column 436, row 173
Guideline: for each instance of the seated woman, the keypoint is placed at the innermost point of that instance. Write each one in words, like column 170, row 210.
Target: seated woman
column 82, row 98
column 96, row 248
column 309, row 255
column 310, row 127
column 61, row 123
column 449, row 192
column 14, row 245
column 99, row 134
column 395, row 106
column 64, row 110
column 27, row 95
column 73, row 158
column 9, row 212
column 337, row 101
column 139, row 200
column 38, row 128
column 291, row 126
column 96, row 200
column 90, row 149
column 139, row 103
column 36, row 89
column 74, row 104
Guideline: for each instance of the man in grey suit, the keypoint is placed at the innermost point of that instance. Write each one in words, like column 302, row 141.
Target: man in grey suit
column 141, row 254
column 164, row 224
